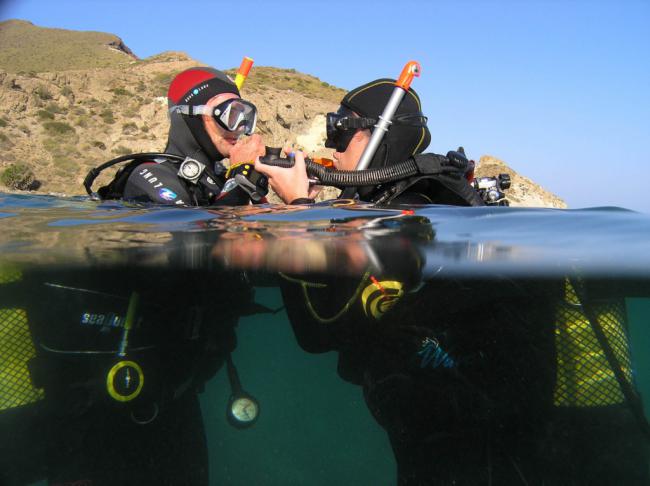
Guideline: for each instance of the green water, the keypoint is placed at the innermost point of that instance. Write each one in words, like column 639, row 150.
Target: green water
column 313, row 426
column 639, row 321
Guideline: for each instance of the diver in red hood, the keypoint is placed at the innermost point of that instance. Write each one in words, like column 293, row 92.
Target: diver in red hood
column 209, row 122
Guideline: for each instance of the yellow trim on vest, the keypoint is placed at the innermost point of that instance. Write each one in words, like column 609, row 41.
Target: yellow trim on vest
column 10, row 273
column 16, row 349
column 584, row 375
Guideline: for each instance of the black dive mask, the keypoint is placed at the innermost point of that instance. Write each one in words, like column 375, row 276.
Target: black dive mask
column 341, row 127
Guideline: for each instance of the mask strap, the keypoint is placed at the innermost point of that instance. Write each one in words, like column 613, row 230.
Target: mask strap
column 348, row 123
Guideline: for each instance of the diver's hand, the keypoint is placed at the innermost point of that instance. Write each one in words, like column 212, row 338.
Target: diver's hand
column 289, row 184
column 247, row 149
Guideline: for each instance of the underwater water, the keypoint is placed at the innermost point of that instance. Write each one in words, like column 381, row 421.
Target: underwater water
column 475, row 345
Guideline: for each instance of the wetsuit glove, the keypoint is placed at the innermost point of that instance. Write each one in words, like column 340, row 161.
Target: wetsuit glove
column 458, row 160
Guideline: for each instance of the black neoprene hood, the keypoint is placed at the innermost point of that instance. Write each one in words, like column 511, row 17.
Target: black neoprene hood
column 402, row 139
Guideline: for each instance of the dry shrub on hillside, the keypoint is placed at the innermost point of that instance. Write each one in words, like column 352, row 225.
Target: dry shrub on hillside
column 18, row 176
column 55, row 128
column 45, row 115
column 107, row 116
column 43, row 93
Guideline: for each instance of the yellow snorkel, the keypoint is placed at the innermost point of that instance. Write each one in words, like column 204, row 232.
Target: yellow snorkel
column 242, row 72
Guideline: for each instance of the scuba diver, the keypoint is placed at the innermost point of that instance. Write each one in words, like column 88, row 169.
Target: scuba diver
column 209, row 122
column 119, row 357
column 476, row 380
column 107, row 381
column 349, row 132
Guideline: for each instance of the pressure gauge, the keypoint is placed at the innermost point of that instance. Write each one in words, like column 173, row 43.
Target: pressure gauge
column 243, row 410
column 191, row 169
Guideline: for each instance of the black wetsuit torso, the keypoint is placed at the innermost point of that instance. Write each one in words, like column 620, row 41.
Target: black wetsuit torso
column 160, row 183
column 470, row 400
column 183, row 327
column 462, row 374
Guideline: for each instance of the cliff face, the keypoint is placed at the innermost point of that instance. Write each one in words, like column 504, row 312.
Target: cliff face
column 63, row 123
column 62, row 118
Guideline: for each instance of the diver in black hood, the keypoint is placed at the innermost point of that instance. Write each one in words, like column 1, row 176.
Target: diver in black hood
column 349, row 131
column 207, row 121
column 476, row 381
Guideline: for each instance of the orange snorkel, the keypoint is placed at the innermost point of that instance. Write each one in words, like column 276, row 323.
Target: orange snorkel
column 242, row 72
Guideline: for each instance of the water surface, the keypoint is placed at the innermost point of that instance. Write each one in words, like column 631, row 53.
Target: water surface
column 314, row 426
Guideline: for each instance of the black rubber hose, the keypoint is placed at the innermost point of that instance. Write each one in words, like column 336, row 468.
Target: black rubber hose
column 352, row 178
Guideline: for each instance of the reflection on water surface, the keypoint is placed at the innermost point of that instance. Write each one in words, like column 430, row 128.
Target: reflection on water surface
column 435, row 345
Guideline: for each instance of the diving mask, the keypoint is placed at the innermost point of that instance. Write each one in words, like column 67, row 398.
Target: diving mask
column 341, row 127
column 233, row 115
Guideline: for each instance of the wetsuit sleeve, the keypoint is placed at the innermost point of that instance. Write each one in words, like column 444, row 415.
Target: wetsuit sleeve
column 157, row 183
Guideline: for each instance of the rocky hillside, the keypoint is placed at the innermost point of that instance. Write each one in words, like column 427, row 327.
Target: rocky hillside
column 72, row 100
column 523, row 191
column 28, row 48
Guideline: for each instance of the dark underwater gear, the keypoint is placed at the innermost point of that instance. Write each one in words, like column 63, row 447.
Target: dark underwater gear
column 233, row 115
column 243, row 409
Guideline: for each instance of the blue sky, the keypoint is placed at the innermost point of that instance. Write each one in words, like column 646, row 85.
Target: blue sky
column 560, row 90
